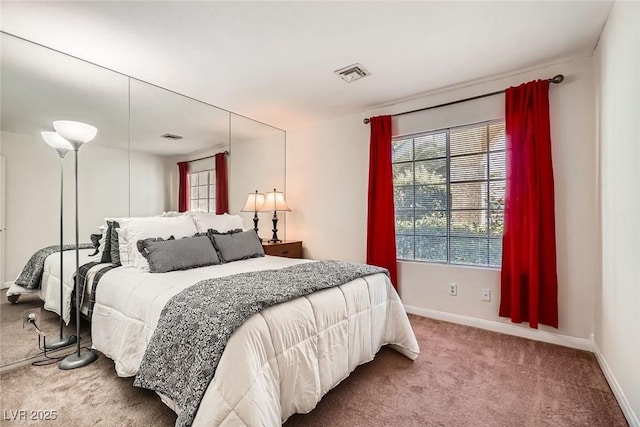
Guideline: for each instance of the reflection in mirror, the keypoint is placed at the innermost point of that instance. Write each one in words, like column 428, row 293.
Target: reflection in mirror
column 257, row 162
column 39, row 86
column 193, row 132
column 127, row 170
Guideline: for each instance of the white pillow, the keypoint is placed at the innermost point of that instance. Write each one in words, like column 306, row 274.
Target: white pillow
column 171, row 213
column 221, row 223
column 135, row 229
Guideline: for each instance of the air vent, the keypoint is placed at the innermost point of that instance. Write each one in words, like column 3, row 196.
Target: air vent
column 171, row 136
column 352, row 73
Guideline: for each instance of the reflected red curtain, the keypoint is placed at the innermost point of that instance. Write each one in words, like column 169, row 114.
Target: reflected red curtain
column 222, row 184
column 529, row 284
column 183, row 186
column 381, row 232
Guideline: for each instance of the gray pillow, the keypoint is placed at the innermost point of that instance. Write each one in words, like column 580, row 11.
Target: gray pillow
column 115, row 243
column 106, row 253
column 237, row 246
column 178, row 254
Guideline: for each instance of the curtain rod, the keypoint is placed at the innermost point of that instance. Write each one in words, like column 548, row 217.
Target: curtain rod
column 556, row 79
column 207, row 157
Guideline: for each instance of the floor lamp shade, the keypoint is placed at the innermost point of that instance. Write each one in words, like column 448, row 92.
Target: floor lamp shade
column 75, row 131
column 57, row 142
column 255, row 201
column 274, row 201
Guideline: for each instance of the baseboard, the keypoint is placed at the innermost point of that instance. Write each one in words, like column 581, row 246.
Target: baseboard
column 6, row 285
column 491, row 325
column 627, row 410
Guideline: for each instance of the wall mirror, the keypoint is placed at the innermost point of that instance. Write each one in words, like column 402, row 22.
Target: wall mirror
column 127, row 170
column 39, row 86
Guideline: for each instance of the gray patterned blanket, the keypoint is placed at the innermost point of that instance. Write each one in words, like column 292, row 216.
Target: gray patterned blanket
column 196, row 324
column 31, row 275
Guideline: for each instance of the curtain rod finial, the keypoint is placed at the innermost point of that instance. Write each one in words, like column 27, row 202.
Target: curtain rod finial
column 557, row 79
column 366, row 121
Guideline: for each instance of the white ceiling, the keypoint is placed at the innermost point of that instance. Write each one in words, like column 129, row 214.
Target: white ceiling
column 274, row 62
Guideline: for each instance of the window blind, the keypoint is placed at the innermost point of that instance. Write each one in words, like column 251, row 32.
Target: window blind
column 449, row 194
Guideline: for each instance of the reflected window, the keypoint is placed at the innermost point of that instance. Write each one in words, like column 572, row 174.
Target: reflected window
column 449, row 187
column 203, row 191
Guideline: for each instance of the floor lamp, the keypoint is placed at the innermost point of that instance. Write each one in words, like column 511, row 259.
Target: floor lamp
column 62, row 146
column 77, row 134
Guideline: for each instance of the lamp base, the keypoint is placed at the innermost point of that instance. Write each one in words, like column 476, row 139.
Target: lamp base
column 60, row 342
column 76, row 360
column 274, row 238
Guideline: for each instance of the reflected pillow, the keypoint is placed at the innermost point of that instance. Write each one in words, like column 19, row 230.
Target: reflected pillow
column 177, row 254
column 237, row 246
column 116, row 259
column 106, row 250
column 95, row 241
column 135, row 229
column 225, row 222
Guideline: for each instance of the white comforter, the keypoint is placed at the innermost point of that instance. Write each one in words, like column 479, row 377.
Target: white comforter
column 50, row 286
column 279, row 362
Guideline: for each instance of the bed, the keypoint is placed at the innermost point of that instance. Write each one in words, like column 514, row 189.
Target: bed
column 49, row 289
column 280, row 361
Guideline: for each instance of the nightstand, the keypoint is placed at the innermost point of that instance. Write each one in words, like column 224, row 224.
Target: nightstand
column 286, row 248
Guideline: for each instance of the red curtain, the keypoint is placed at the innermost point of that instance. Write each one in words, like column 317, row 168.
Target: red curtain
column 381, row 232
column 222, row 184
column 529, row 284
column 183, row 186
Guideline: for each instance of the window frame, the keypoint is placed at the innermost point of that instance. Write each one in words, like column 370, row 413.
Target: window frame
column 210, row 200
column 448, row 210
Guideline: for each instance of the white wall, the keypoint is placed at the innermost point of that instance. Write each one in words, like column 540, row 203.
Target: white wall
column 617, row 297
column 149, row 183
column 327, row 172
column 257, row 164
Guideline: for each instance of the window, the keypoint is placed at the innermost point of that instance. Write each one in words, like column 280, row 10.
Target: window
column 203, row 191
column 449, row 189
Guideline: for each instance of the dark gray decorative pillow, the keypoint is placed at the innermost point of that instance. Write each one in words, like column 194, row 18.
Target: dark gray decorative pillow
column 178, row 254
column 211, row 232
column 115, row 244
column 237, row 246
column 106, row 254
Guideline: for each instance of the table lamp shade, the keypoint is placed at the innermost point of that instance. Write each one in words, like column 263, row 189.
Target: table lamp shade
column 254, row 203
column 75, row 131
column 274, row 201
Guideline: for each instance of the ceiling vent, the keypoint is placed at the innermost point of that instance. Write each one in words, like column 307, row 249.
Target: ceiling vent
column 352, row 73
column 171, row 136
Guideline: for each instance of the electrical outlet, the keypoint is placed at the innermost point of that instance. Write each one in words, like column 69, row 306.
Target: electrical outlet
column 453, row 289
column 31, row 313
column 486, row 295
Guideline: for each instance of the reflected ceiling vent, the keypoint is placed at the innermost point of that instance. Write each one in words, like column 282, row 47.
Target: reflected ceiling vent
column 171, row 136
column 352, row 73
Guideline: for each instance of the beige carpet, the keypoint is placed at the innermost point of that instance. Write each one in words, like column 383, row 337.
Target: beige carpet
column 464, row 377
column 18, row 343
